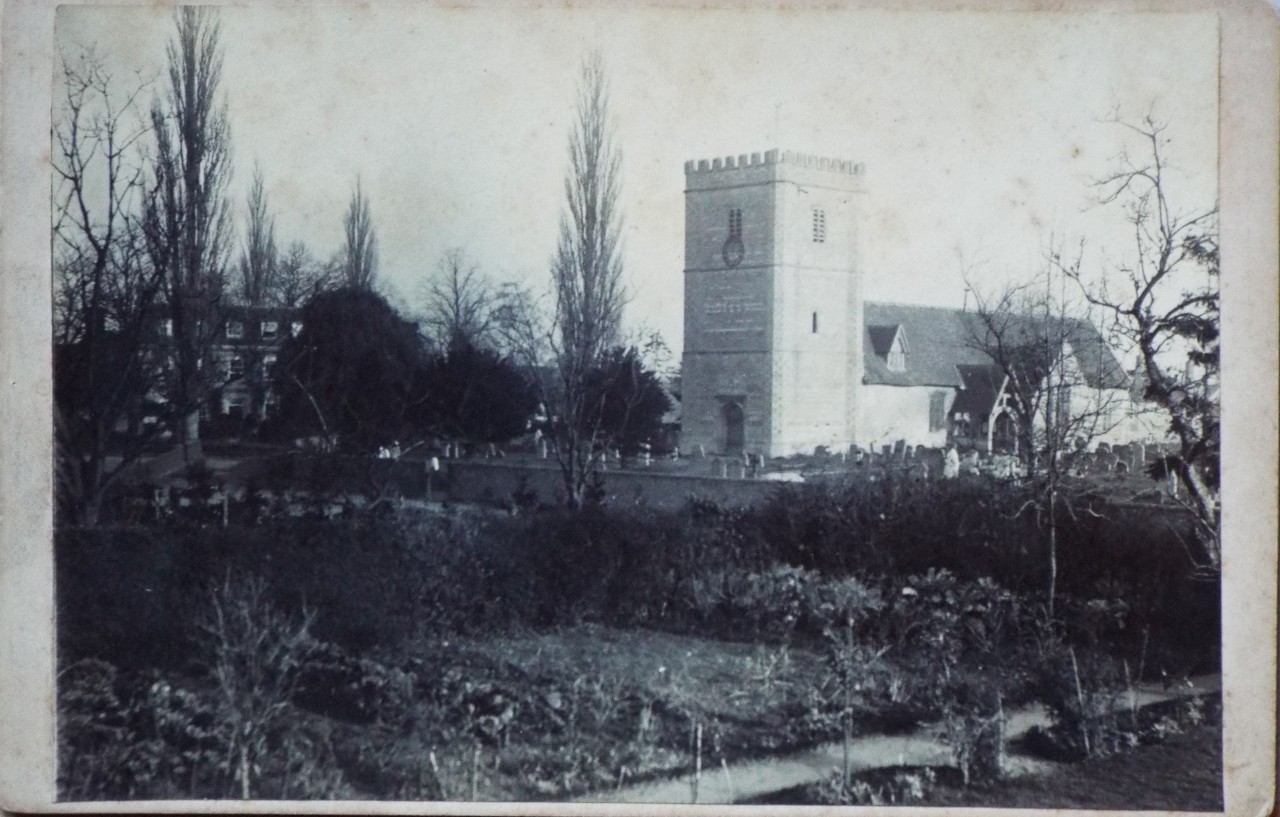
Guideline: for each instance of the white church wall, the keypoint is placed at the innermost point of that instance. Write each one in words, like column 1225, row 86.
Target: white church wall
column 892, row 413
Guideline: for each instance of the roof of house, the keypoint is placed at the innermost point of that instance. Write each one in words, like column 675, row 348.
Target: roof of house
column 943, row 341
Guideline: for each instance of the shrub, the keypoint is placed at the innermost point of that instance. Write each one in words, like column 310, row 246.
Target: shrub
column 124, row 736
column 1083, row 696
column 331, row 682
column 255, row 653
column 973, row 720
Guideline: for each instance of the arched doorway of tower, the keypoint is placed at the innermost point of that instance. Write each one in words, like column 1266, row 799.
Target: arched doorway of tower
column 734, row 428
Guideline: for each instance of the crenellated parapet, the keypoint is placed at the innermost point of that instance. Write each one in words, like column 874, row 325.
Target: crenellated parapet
column 773, row 157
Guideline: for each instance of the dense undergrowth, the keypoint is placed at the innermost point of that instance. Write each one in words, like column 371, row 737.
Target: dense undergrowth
column 306, row 658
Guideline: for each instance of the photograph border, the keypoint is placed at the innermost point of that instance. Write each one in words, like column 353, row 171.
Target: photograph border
column 1249, row 178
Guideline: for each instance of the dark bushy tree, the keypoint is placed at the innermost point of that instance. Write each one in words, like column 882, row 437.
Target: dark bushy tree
column 477, row 395
column 624, row 401
column 351, row 374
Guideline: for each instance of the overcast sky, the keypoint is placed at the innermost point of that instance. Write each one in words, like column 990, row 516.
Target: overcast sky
column 979, row 131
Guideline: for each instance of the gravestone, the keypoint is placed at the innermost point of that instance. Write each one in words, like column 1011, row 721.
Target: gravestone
column 951, row 464
column 1139, row 457
column 933, row 458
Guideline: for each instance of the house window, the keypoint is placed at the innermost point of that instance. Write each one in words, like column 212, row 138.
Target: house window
column 735, row 223
column 235, row 330
column 819, row 225
column 235, row 365
column 165, row 327
column 295, row 328
column 270, row 330
column 814, row 323
column 267, row 362
column 937, row 410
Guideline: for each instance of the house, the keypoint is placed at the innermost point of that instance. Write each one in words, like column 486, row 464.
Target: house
column 243, row 343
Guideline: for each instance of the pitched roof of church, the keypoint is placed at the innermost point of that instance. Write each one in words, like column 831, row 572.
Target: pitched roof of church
column 942, row 341
column 982, row 386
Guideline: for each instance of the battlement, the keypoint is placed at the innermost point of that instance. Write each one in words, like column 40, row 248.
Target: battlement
column 773, row 157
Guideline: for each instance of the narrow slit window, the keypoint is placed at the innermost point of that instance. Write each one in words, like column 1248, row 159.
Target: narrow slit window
column 814, row 327
column 819, row 225
column 735, row 223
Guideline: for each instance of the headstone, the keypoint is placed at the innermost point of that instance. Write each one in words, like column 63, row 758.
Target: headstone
column 1003, row 466
column 969, row 463
column 899, row 446
column 1139, row 457
column 909, row 453
column 1103, row 448
column 951, row 464
column 1122, row 466
column 886, row 451
column 933, row 458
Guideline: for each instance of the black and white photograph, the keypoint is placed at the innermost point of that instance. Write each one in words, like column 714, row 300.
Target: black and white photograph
column 756, row 406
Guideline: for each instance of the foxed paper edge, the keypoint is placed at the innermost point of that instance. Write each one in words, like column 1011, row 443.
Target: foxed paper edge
column 1249, row 176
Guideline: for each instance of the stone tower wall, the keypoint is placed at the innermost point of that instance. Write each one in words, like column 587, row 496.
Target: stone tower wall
column 749, row 329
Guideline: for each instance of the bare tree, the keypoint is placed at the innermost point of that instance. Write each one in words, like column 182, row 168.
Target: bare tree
column 1059, row 381
column 459, row 302
column 187, row 221
column 259, row 260
column 360, row 253
column 104, row 287
column 586, row 277
column 299, row 276
column 1164, row 303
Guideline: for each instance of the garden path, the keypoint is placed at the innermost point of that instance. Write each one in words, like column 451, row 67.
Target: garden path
column 924, row 747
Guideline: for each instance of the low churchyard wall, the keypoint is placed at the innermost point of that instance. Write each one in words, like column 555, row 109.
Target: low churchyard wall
column 502, row 482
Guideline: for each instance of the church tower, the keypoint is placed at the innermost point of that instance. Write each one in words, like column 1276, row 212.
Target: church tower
column 773, row 313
